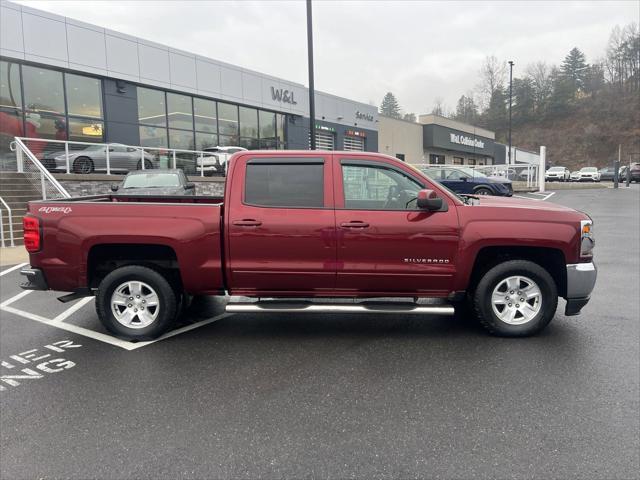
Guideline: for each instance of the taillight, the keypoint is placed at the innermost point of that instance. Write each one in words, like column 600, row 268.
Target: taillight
column 31, row 231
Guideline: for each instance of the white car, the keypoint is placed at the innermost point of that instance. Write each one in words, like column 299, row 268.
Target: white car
column 560, row 174
column 575, row 176
column 215, row 163
column 589, row 174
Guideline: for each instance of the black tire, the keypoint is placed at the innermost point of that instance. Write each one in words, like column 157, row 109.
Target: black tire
column 167, row 303
column 83, row 165
column 147, row 165
column 482, row 191
column 482, row 298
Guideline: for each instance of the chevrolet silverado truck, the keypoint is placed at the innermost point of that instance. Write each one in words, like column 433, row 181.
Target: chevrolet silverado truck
column 314, row 231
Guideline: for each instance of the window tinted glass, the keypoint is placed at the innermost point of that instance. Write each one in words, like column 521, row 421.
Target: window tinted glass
column 179, row 111
column 85, row 130
column 43, row 90
column 206, row 140
column 376, row 188
column 181, row 139
column 248, row 122
column 285, row 185
column 84, row 96
column 153, row 136
column 267, row 125
column 151, row 107
column 228, row 119
column 10, row 93
column 205, row 115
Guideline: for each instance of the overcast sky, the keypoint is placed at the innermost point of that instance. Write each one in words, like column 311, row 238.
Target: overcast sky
column 417, row 50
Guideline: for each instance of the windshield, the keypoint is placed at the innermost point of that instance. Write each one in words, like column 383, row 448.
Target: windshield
column 556, row 169
column 589, row 169
column 151, row 180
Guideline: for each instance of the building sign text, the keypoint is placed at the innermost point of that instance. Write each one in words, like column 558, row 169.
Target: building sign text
column 468, row 141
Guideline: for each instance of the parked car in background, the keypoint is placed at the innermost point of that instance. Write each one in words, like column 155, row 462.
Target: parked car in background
column 470, row 181
column 557, row 174
column 93, row 158
column 589, row 174
column 575, row 176
column 635, row 172
column 216, row 163
column 607, row 173
column 157, row 182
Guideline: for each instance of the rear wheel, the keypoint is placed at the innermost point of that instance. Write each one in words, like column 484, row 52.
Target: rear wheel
column 516, row 298
column 147, row 165
column 136, row 303
column 83, row 165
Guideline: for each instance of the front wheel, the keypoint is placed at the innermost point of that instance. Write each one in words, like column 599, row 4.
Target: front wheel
column 136, row 303
column 147, row 165
column 483, row 191
column 517, row 298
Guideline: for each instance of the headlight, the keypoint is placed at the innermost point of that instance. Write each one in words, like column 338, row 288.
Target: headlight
column 587, row 240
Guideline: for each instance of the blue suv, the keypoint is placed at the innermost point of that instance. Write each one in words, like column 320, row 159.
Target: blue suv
column 470, row 181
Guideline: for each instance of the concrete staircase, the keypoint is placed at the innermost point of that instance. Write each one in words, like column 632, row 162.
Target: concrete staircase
column 16, row 190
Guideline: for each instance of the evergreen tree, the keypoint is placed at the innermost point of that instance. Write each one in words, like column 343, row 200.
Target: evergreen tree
column 390, row 106
column 562, row 95
column 523, row 101
column 409, row 117
column 466, row 110
column 496, row 117
column 574, row 67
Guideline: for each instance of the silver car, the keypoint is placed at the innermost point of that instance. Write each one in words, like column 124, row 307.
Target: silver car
column 93, row 158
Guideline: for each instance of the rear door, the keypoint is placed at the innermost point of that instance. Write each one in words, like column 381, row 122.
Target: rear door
column 385, row 244
column 280, row 225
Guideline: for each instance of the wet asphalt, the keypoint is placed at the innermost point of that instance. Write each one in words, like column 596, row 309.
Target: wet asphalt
column 334, row 396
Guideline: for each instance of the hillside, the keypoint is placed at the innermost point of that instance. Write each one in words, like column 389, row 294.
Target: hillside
column 587, row 135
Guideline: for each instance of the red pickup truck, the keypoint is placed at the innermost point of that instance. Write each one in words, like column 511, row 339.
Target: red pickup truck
column 314, row 231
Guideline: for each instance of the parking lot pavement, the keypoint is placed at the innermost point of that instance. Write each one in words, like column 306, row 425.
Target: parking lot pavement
column 250, row 396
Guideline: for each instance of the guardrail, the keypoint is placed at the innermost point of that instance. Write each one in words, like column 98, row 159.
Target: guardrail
column 85, row 157
column 10, row 215
column 36, row 173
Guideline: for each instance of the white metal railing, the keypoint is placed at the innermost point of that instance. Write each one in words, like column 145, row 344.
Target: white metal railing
column 525, row 173
column 36, row 173
column 85, row 157
column 10, row 215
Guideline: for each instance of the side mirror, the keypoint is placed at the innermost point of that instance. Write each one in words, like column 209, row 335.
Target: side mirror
column 428, row 200
column 464, row 179
column 190, row 186
column 114, row 187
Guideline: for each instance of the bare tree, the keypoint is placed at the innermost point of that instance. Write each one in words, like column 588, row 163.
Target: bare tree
column 540, row 74
column 439, row 108
column 492, row 76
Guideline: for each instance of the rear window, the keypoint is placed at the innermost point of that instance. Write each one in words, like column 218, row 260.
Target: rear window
column 286, row 184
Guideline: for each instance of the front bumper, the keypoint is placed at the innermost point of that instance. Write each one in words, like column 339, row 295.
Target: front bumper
column 581, row 278
column 35, row 279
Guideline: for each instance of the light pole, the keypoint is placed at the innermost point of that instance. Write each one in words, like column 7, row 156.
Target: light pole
column 510, row 100
column 312, row 96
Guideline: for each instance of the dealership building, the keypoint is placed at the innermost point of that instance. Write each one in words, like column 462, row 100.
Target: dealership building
column 68, row 80
column 437, row 140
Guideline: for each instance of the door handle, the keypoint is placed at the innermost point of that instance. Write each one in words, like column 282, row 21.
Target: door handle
column 248, row 222
column 354, row 224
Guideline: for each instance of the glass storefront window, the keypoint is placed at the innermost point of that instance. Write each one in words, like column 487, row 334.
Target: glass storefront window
column 84, row 96
column 81, row 130
column 10, row 92
column 280, row 131
column 267, row 125
column 10, row 126
column 151, row 107
column 249, row 143
column 205, row 115
column 153, row 136
column 248, row 122
column 43, row 91
column 179, row 111
column 206, row 140
column 227, row 141
column 181, row 139
column 227, row 119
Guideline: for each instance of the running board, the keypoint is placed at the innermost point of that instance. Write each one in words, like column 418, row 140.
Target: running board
column 308, row 307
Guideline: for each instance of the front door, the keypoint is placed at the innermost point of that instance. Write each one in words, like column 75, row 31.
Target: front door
column 281, row 226
column 386, row 246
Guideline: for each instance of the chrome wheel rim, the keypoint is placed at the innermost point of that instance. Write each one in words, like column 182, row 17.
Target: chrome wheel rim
column 516, row 300
column 135, row 304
